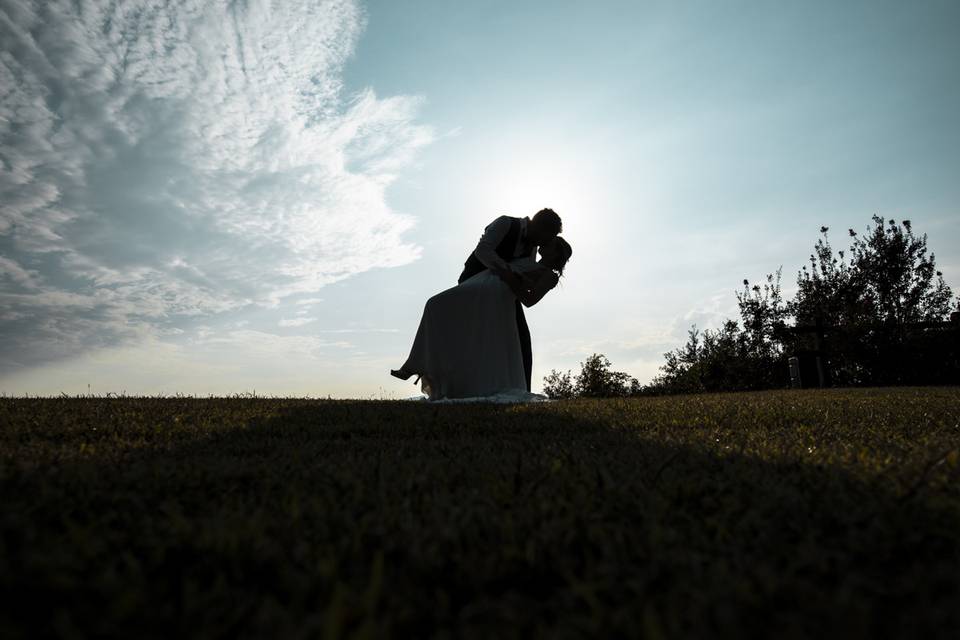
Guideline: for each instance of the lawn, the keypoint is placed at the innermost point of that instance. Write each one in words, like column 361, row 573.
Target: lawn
column 772, row 514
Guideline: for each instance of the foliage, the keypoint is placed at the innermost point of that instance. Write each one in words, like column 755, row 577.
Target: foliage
column 721, row 516
column 869, row 306
column 558, row 385
column 731, row 358
column 763, row 313
column 595, row 380
column 899, row 283
column 889, row 284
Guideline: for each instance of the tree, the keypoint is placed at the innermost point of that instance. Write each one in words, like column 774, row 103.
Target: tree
column 558, row 385
column 869, row 311
column 889, row 280
column 899, row 283
column 827, row 291
column 595, row 380
column 874, row 303
column 731, row 358
column 764, row 314
column 875, row 310
column 679, row 372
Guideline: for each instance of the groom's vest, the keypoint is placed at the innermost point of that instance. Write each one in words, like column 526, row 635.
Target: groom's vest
column 473, row 266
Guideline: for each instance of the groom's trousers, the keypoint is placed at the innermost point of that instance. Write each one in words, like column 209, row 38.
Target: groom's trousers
column 525, row 348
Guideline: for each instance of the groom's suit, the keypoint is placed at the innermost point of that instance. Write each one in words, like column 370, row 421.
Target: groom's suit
column 504, row 240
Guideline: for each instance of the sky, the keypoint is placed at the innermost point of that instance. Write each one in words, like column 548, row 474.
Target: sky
column 210, row 197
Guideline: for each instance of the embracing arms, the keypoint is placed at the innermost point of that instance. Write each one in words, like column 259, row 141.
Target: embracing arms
column 528, row 292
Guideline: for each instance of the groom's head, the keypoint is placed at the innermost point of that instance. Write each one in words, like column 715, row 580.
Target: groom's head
column 544, row 226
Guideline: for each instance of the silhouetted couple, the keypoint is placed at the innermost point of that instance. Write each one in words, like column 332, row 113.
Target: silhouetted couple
column 473, row 339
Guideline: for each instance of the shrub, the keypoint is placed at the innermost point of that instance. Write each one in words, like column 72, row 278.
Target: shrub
column 595, row 380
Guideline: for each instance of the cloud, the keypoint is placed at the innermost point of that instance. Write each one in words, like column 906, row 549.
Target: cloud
column 358, row 331
column 710, row 314
column 640, row 350
column 208, row 360
column 171, row 160
column 261, row 344
column 295, row 322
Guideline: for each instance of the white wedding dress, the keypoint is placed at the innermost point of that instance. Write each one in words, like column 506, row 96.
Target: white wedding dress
column 467, row 346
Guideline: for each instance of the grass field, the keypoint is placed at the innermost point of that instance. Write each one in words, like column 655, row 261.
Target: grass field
column 774, row 514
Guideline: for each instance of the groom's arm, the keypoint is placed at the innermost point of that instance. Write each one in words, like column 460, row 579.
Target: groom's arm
column 486, row 251
column 529, row 296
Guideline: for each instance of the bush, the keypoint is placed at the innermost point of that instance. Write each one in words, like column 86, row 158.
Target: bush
column 595, row 380
column 559, row 385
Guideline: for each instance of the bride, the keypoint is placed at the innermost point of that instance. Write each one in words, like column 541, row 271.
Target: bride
column 467, row 344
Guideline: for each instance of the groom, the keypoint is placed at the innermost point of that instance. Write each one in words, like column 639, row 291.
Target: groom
column 504, row 240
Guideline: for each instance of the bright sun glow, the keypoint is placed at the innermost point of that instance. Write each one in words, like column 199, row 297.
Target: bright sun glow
column 523, row 186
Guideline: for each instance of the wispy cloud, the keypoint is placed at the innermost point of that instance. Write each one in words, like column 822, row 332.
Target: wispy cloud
column 295, row 322
column 167, row 160
column 358, row 331
column 262, row 344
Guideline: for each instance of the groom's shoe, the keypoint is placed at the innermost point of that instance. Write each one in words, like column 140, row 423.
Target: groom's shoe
column 403, row 375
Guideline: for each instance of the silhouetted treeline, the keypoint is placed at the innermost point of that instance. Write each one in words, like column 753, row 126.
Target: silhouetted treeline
column 875, row 314
column 878, row 313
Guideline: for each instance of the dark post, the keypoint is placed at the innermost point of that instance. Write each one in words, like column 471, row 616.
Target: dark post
column 795, row 380
column 818, row 347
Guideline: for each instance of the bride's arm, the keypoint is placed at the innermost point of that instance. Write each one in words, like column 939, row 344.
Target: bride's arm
column 540, row 288
column 526, row 294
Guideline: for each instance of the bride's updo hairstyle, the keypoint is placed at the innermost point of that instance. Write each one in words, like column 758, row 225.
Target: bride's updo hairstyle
column 565, row 251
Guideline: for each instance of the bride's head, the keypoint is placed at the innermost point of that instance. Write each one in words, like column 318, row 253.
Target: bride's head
column 555, row 254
